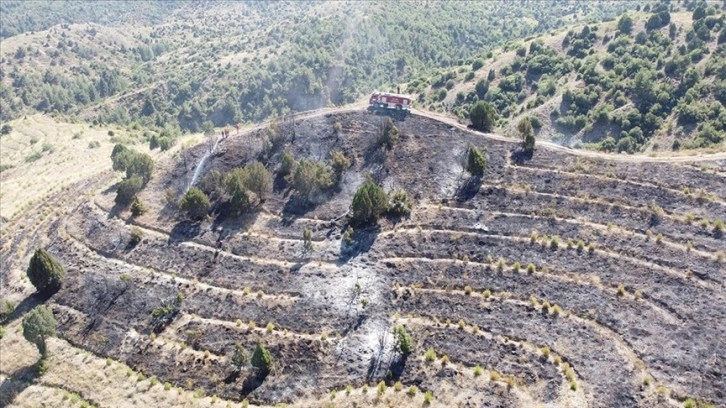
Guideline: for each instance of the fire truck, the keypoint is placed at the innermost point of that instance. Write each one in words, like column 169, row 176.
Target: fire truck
column 384, row 102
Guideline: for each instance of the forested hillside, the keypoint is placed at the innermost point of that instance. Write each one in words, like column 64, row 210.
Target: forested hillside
column 184, row 64
column 21, row 16
column 654, row 79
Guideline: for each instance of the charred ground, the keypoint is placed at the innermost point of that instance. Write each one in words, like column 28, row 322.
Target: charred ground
column 570, row 281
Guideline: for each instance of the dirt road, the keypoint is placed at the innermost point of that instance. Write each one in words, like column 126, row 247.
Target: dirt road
column 585, row 153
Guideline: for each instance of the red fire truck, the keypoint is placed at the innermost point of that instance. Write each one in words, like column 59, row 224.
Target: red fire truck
column 383, row 102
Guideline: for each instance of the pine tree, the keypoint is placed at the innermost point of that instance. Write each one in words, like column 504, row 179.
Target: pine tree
column 476, row 162
column 45, row 273
column 525, row 130
column 38, row 325
column 369, row 202
column 262, row 359
column 195, row 203
column 238, row 358
column 482, row 116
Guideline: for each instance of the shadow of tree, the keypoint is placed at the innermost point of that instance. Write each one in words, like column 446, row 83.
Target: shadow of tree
column 184, row 231
column 468, row 189
column 16, row 383
column 25, row 306
column 363, row 240
column 520, row 156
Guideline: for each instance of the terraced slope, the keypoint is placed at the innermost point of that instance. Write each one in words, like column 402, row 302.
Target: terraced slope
column 557, row 280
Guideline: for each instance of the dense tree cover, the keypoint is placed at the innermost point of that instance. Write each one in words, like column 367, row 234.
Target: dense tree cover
column 19, row 16
column 622, row 83
column 45, row 273
column 230, row 67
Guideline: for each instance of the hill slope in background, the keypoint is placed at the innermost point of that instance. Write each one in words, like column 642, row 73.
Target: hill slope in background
column 234, row 61
column 652, row 80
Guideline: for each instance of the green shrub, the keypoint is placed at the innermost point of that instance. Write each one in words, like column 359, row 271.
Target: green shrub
column 137, row 207
column 476, row 162
column 428, row 398
column 120, row 156
column 136, row 236
column 310, row 178
column 45, row 273
column 369, row 202
column 403, row 340
column 481, row 88
column 528, row 139
column 239, row 197
column 153, row 142
column 195, row 203
column 718, row 228
column 348, row 235
column 339, row 163
column 381, row 388
column 400, row 205
column 482, row 116
column 625, row 24
column 389, row 134
column 554, row 242
column 140, row 165
column 261, row 358
column 127, row 189
column 35, row 156
column 258, row 179
column 430, row 355
column 287, row 163
column 238, row 359
column 133, row 163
